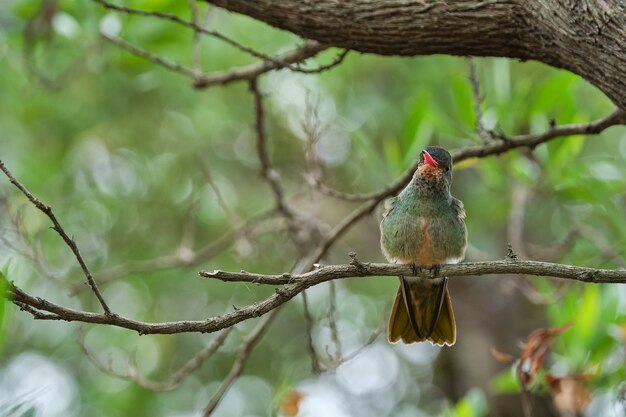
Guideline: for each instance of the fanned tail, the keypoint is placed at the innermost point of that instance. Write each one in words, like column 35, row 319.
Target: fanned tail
column 421, row 313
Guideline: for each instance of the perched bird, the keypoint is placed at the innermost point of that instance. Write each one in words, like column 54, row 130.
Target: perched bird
column 424, row 226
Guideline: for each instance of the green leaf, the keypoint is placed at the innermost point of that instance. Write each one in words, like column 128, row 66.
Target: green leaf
column 473, row 404
column 505, row 382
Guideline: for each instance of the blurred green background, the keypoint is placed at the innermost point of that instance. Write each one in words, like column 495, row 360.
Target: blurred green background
column 130, row 156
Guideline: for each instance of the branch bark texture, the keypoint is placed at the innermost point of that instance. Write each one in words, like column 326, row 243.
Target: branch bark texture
column 290, row 285
column 585, row 37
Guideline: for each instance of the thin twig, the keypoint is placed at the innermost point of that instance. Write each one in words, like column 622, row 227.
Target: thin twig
column 485, row 134
column 174, row 380
column 332, row 321
column 267, row 171
column 199, row 29
column 556, row 251
column 234, row 219
column 531, row 141
column 197, row 36
column 248, row 72
column 296, row 222
column 189, row 258
column 608, row 251
column 154, row 58
column 241, row 357
column 316, row 366
column 47, row 210
column 527, row 407
column 338, row 60
column 182, row 22
column 520, row 197
column 370, row 340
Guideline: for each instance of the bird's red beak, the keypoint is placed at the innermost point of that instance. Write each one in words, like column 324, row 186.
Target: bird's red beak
column 429, row 159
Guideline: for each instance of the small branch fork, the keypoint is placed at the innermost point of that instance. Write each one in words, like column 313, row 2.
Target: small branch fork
column 47, row 210
column 291, row 60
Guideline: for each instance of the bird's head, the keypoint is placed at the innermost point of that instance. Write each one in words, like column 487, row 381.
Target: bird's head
column 434, row 169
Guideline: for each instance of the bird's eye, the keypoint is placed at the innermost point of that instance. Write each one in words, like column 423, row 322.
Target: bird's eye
column 448, row 168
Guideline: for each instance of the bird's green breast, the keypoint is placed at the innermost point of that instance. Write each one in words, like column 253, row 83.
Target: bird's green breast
column 425, row 231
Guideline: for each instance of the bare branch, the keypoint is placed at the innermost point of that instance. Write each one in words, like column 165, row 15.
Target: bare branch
column 332, row 321
column 174, row 381
column 47, row 210
column 485, row 134
column 555, row 252
column 291, row 285
column 316, row 367
column 370, row 340
column 189, row 258
column 182, row 22
column 296, row 222
column 37, row 315
column 342, row 227
column 520, row 197
column 361, row 269
column 338, row 60
column 531, row 141
column 248, row 72
column 241, row 357
column 269, row 63
column 607, row 250
column 203, row 80
column 267, row 171
column 154, row 58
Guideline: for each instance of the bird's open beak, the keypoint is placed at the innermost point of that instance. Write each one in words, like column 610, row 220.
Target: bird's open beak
column 429, row 159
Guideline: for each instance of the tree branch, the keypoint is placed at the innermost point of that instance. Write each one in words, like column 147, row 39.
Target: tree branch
column 586, row 39
column 47, row 210
column 241, row 357
column 360, row 269
column 485, row 134
column 248, row 72
column 290, row 285
column 530, row 141
column 175, row 379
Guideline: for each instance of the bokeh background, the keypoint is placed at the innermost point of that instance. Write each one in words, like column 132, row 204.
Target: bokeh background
column 137, row 165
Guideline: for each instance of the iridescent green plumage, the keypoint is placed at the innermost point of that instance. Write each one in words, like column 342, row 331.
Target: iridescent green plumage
column 424, row 225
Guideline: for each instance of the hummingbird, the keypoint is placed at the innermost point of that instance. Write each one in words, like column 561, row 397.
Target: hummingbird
column 424, row 225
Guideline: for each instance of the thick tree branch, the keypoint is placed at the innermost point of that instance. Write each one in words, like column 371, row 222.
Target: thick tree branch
column 585, row 37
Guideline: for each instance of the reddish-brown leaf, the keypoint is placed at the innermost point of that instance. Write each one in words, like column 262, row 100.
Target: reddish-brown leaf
column 501, row 356
column 534, row 351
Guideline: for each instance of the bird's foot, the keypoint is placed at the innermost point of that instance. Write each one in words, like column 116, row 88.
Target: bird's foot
column 414, row 268
column 434, row 270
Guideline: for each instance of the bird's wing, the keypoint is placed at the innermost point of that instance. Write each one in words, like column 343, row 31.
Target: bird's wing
column 389, row 206
column 458, row 207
